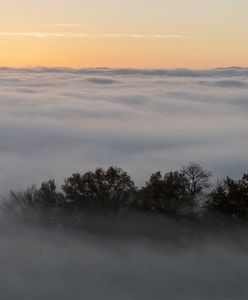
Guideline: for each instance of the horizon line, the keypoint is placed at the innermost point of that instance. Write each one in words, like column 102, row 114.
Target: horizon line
column 3, row 67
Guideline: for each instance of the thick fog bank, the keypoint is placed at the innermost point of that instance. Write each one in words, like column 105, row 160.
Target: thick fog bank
column 54, row 121
column 180, row 263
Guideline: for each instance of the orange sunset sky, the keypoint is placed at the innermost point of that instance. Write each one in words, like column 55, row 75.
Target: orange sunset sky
column 130, row 33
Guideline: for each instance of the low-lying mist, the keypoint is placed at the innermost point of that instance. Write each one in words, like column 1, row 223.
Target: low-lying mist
column 133, row 257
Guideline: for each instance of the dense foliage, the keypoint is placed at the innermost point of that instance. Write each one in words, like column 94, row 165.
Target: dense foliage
column 187, row 193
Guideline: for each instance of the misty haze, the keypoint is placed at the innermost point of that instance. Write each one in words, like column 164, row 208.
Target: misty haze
column 163, row 239
column 43, row 264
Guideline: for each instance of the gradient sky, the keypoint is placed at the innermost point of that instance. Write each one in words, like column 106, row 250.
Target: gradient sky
column 130, row 33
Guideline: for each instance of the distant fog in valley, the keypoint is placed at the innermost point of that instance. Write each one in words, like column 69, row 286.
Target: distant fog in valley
column 57, row 121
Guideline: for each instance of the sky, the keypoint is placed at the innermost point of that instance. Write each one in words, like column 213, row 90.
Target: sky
column 116, row 33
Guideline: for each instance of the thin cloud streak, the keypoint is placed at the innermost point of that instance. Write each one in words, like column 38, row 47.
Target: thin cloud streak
column 42, row 34
column 70, row 25
column 36, row 34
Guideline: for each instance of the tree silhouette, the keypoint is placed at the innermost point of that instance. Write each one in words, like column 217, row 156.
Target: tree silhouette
column 110, row 189
column 168, row 194
column 151, row 195
column 197, row 177
column 41, row 203
column 177, row 197
column 230, row 197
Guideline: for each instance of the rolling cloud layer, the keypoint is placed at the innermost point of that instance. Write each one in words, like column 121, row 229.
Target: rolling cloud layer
column 55, row 121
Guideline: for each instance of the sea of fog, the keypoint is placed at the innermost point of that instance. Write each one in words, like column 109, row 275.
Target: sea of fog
column 55, row 121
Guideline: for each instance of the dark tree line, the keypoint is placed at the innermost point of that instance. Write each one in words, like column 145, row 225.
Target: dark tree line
column 183, row 193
